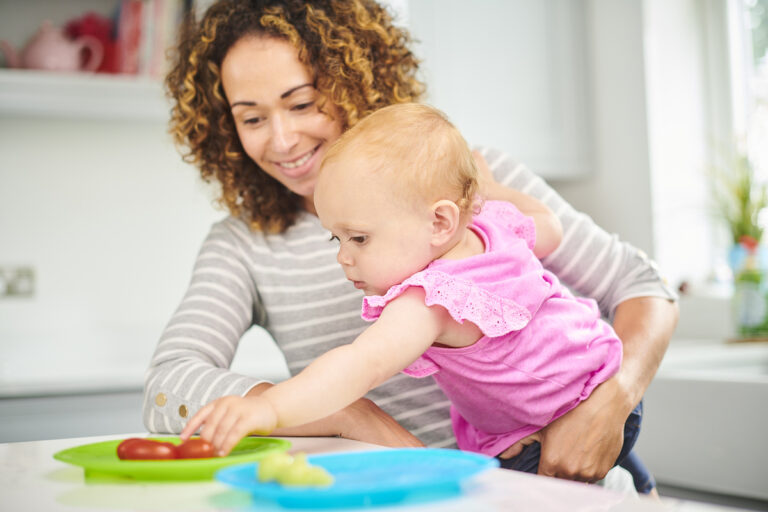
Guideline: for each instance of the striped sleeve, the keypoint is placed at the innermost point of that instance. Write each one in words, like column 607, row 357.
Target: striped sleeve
column 190, row 364
column 590, row 261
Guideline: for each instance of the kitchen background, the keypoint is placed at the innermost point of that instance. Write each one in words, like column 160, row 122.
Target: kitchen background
column 621, row 104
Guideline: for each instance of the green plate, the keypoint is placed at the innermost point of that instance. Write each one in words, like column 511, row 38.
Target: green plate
column 100, row 460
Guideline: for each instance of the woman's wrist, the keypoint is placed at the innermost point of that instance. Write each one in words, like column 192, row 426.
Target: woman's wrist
column 645, row 326
column 619, row 394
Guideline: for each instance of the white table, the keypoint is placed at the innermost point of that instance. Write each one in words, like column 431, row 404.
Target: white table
column 30, row 479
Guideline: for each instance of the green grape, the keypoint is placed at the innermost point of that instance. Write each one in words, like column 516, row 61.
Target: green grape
column 293, row 471
column 295, row 474
column 318, row 477
column 271, row 466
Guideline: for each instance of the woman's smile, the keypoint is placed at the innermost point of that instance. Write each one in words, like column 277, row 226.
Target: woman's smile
column 300, row 166
column 299, row 161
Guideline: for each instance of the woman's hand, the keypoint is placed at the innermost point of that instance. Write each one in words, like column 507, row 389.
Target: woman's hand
column 484, row 175
column 516, row 448
column 549, row 231
column 362, row 420
column 584, row 443
column 365, row 421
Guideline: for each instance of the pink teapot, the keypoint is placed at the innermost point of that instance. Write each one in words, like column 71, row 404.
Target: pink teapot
column 52, row 50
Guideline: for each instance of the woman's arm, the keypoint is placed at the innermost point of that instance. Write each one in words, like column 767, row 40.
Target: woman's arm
column 549, row 230
column 362, row 420
column 584, row 443
column 191, row 362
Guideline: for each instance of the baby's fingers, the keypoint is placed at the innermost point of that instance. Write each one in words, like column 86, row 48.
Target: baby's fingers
column 196, row 421
column 238, row 430
column 221, row 439
column 213, row 422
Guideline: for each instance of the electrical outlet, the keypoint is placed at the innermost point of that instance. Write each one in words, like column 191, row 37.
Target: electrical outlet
column 17, row 281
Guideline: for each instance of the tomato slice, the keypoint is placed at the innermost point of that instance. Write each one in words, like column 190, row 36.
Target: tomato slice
column 195, row 448
column 146, row 449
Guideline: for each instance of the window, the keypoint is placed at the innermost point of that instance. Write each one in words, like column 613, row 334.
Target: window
column 748, row 55
column 755, row 75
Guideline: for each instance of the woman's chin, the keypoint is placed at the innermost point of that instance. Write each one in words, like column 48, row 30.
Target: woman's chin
column 304, row 187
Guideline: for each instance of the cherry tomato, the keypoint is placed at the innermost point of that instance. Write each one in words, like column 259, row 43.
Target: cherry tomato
column 122, row 448
column 145, row 449
column 195, row 448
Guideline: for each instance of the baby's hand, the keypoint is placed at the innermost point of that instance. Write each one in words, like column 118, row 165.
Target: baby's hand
column 229, row 419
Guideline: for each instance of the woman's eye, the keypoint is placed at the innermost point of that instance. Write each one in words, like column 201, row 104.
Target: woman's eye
column 252, row 120
column 303, row 106
column 359, row 239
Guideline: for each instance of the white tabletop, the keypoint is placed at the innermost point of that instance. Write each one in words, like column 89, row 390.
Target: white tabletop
column 30, row 479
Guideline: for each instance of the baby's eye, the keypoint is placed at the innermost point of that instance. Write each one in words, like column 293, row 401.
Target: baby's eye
column 359, row 239
column 333, row 237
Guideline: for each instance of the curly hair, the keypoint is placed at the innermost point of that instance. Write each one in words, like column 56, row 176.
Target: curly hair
column 358, row 59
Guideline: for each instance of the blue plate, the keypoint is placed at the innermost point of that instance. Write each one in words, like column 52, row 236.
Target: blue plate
column 369, row 478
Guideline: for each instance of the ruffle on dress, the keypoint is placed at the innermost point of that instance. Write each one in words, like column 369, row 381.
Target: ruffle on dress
column 463, row 300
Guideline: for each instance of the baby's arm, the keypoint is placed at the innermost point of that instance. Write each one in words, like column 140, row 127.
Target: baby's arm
column 549, row 230
column 406, row 328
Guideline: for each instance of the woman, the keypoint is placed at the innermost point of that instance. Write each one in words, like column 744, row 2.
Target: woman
column 261, row 90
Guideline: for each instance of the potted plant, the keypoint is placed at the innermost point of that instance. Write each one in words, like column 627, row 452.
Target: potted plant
column 741, row 199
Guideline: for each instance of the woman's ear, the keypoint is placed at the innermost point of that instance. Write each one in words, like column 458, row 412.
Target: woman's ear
column 446, row 218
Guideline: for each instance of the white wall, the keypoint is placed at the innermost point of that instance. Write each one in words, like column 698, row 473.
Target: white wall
column 110, row 219
column 686, row 61
column 661, row 117
column 617, row 194
column 511, row 74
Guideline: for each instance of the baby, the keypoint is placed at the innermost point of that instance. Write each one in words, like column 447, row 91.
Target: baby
column 455, row 289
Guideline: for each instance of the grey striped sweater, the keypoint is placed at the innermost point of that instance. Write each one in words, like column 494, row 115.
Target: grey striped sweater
column 291, row 285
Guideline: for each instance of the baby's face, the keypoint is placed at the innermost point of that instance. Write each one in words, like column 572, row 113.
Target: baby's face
column 382, row 240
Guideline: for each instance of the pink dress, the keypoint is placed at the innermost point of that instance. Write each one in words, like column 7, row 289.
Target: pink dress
column 542, row 352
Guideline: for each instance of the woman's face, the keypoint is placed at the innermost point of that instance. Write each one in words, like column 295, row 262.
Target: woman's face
column 275, row 108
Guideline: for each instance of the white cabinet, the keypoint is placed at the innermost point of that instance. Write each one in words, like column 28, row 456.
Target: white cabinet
column 31, row 418
column 511, row 74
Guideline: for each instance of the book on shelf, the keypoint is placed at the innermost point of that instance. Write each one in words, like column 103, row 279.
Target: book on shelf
column 145, row 30
column 129, row 34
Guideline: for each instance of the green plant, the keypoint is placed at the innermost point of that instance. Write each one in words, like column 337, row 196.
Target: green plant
column 740, row 200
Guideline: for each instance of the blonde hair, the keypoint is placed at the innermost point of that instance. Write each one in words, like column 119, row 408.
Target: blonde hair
column 420, row 148
column 359, row 60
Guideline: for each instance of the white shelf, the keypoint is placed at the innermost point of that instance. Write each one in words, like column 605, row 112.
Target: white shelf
column 81, row 96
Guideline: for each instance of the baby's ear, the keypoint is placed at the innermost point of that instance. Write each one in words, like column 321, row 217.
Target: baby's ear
column 446, row 218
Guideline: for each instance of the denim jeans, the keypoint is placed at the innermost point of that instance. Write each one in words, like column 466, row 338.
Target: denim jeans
column 528, row 459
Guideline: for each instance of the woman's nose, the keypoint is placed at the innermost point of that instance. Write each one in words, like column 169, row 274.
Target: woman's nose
column 284, row 134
